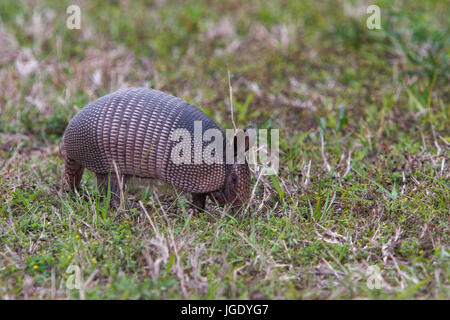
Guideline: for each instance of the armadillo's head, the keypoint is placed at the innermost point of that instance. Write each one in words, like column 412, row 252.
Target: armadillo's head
column 237, row 187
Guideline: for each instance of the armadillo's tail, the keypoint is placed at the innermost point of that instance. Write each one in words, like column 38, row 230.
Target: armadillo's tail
column 72, row 171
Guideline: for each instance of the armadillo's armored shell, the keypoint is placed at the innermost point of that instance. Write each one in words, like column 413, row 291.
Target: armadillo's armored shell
column 132, row 127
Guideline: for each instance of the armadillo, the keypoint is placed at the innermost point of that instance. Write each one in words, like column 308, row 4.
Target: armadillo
column 127, row 133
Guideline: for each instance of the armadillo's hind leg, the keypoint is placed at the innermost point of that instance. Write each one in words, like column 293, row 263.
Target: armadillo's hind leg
column 103, row 180
column 72, row 173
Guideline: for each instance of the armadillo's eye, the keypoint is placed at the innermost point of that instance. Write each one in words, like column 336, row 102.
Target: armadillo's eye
column 234, row 178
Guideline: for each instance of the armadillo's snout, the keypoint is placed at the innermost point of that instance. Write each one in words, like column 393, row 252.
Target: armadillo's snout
column 219, row 196
column 237, row 188
column 240, row 197
column 233, row 200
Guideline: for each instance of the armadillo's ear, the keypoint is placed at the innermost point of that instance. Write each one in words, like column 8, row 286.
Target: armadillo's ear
column 247, row 132
column 249, row 137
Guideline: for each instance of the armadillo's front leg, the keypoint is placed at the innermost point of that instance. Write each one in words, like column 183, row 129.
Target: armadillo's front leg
column 199, row 200
column 102, row 184
column 72, row 174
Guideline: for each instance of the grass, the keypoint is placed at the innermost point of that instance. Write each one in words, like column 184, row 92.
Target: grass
column 364, row 123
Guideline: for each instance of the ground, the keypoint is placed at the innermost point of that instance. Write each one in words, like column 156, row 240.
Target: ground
column 364, row 124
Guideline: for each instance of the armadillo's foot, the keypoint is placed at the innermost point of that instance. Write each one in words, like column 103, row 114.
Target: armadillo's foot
column 199, row 200
column 102, row 183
